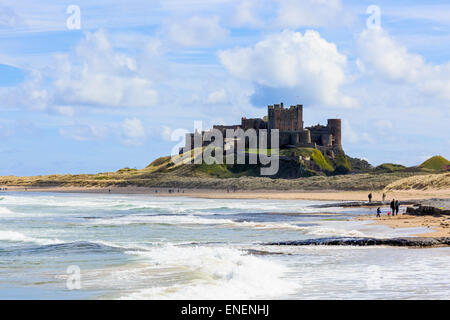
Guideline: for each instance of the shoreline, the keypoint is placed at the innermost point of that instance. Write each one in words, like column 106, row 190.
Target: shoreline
column 439, row 226
column 325, row 195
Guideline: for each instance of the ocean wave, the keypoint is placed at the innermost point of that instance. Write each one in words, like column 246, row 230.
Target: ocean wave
column 192, row 221
column 4, row 210
column 14, row 236
column 215, row 272
column 75, row 247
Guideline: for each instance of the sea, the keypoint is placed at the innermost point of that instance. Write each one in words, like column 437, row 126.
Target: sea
column 116, row 246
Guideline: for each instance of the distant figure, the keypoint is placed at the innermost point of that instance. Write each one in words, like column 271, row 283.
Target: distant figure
column 378, row 212
column 109, row 190
column 156, row 191
column 393, row 206
column 397, row 207
column 389, row 213
column 384, row 196
column 370, row 197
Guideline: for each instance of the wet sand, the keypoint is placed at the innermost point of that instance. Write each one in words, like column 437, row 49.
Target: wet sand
column 438, row 226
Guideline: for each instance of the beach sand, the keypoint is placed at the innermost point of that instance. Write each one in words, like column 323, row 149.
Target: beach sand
column 439, row 226
column 326, row 195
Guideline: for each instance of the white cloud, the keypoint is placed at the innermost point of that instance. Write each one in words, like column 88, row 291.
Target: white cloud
column 8, row 17
column 251, row 13
column 384, row 124
column 218, row 96
column 350, row 136
column 133, row 131
column 292, row 60
column 100, row 76
column 197, row 31
column 65, row 110
column 382, row 56
column 310, row 13
column 84, row 132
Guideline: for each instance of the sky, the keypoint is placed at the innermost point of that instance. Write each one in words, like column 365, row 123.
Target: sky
column 90, row 87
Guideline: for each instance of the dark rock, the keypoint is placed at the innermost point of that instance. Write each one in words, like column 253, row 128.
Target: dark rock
column 431, row 207
column 354, row 241
column 362, row 204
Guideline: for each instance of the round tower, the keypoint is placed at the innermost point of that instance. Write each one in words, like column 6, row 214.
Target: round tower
column 334, row 127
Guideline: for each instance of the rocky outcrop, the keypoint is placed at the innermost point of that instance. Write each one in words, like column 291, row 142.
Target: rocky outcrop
column 356, row 204
column 433, row 207
column 352, row 241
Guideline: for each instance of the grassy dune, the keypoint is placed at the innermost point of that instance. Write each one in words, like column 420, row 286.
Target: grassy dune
column 162, row 172
column 423, row 182
column 436, row 163
column 150, row 178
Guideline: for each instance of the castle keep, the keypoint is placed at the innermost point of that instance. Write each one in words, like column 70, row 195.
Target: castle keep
column 292, row 133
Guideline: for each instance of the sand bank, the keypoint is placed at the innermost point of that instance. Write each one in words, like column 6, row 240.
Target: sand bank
column 438, row 226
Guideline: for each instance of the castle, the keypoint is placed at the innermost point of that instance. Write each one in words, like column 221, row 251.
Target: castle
column 292, row 133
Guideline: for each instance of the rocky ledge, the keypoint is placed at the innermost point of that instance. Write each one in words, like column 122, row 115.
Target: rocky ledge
column 433, row 207
column 352, row 241
column 350, row 204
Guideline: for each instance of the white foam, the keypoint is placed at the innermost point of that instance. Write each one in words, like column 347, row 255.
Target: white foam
column 215, row 273
column 4, row 211
column 14, row 236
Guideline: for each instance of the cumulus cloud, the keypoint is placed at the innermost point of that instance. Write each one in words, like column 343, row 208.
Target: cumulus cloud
column 197, row 31
column 133, row 131
column 100, row 76
column 290, row 59
column 384, row 57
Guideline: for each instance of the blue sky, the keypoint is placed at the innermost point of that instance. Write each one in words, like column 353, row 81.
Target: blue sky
column 110, row 94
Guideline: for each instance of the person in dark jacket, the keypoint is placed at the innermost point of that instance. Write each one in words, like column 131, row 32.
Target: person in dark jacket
column 370, row 197
column 393, row 206
column 397, row 207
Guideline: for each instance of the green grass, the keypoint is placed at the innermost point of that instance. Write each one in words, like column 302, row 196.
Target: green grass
column 435, row 163
column 342, row 163
column 389, row 167
column 159, row 161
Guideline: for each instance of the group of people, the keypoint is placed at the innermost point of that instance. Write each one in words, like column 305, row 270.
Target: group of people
column 370, row 197
column 395, row 208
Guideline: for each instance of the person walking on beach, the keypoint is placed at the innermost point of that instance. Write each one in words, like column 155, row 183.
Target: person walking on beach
column 397, row 207
column 370, row 197
column 378, row 212
column 393, row 206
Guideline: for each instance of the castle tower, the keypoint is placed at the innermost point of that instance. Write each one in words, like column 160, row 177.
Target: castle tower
column 289, row 119
column 334, row 127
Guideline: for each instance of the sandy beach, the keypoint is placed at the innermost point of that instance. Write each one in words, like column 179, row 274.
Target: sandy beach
column 439, row 226
column 326, row 195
